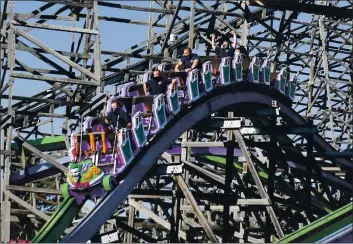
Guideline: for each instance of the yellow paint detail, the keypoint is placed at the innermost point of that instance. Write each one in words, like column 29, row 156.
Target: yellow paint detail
column 89, row 175
column 96, row 170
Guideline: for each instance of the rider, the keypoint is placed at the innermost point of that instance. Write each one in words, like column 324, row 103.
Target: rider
column 117, row 117
column 189, row 61
column 224, row 51
column 158, row 84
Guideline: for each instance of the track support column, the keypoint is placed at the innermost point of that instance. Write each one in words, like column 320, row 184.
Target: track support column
column 174, row 227
column 226, row 236
column 131, row 216
column 6, row 204
column 271, row 175
column 309, row 169
column 258, row 182
column 192, row 24
column 185, row 156
column 183, row 186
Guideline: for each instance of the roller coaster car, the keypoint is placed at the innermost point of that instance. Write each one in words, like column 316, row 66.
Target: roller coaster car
column 146, row 77
column 152, row 108
column 170, row 67
column 173, row 103
column 225, row 71
column 291, row 87
column 84, row 174
column 207, row 72
column 85, row 179
column 265, row 76
column 132, row 89
column 138, row 132
column 98, row 145
column 254, row 74
column 237, row 66
column 165, row 66
column 192, row 84
column 95, row 158
column 281, row 80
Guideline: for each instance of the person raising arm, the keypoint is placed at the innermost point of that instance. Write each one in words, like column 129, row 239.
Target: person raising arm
column 225, row 50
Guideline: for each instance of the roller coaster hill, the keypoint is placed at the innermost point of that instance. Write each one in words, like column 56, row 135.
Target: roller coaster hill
column 101, row 160
column 109, row 169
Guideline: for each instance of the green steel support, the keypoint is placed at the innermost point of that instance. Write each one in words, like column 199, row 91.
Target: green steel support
column 59, row 222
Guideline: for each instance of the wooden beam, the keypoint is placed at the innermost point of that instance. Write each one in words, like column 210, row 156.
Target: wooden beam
column 27, row 206
column 59, row 116
column 127, row 21
column 203, row 144
column 7, row 153
column 53, row 79
column 85, row 4
column 17, row 211
column 243, row 202
column 55, row 27
column 143, row 56
column 170, row 10
column 258, row 182
column 56, row 54
column 217, row 208
column 33, row 189
column 170, row 27
column 45, row 200
column 148, row 196
column 154, row 216
column 135, row 231
column 38, row 99
column 38, row 50
column 214, row 176
column 45, row 157
column 23, row 16
column 196, row 208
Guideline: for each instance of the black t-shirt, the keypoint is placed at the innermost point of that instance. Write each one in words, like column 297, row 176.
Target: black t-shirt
column 158, row 86
column 118, row 118
column 225, row 52
column 187, row 61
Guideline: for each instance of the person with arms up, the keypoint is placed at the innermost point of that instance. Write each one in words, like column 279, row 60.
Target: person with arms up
column 225, row 50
